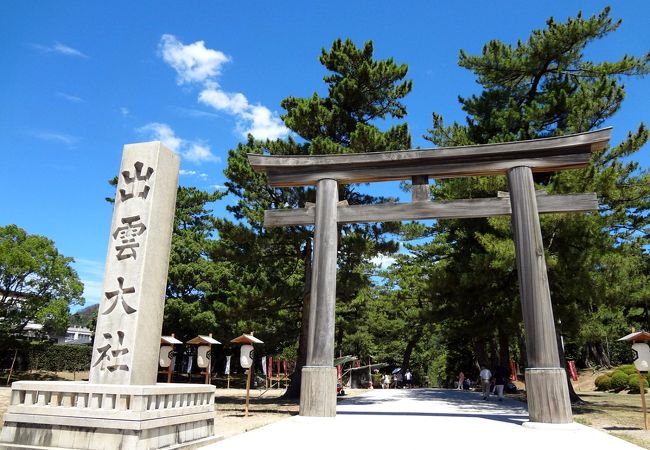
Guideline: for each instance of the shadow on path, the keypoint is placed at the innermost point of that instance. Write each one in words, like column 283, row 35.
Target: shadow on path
column 437, row 403
column 516, row 419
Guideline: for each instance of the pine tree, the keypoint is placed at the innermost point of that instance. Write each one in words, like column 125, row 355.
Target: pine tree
column 538, row 88
column 361, row 93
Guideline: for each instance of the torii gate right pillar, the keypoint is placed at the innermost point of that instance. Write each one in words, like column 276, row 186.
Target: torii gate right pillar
column 546, row 384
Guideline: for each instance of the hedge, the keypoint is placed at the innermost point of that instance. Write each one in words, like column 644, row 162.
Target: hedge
column 619, row 380
column 633, row 383
column 629, row 369
column 59, row 357
column 603, row 383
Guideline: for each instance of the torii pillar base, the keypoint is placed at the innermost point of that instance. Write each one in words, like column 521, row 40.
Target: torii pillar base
column 318, row 391
column 548, row 395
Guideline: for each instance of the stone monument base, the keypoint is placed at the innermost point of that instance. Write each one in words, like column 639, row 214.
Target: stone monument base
column 318, row 391
column 80, row 415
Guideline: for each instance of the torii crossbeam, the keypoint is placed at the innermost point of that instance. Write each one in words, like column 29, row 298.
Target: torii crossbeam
column 547, row 392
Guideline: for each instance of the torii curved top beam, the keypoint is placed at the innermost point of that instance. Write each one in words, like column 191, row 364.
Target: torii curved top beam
column 541, row 155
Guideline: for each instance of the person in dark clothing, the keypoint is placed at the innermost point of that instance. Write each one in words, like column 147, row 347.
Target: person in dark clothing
column 500, row 379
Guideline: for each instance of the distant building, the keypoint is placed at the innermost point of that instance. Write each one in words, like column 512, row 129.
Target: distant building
column 32, row 330
column 76, row 335
column 73, row 335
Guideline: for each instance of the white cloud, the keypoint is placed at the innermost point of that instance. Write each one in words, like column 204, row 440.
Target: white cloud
column 124, row 111
column 193, row 173
column 163, row 133
column 218, row 187
column 55, row 136
column 199, row 153
column 233, row 103
column 190, row 150
column 70, row 98
column 383, row 261
column 189, row 112
column 196, row 63
column 61, row 49
column 263, row 124
column 91, row 274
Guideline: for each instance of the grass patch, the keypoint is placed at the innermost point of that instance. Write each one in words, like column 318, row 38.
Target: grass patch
column 582, row 421
column 631, row 439
column 618, row 414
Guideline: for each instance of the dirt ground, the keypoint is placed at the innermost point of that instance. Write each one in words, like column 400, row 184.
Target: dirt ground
column 618, row 414
column 264, row 407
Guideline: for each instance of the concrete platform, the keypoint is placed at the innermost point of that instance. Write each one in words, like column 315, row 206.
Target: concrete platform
column 422, row 418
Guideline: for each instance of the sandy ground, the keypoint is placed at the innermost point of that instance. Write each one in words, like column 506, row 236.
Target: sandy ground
column 264, row 407
column 267, row 406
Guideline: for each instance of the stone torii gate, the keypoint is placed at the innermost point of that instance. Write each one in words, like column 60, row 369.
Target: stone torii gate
column 547, row 391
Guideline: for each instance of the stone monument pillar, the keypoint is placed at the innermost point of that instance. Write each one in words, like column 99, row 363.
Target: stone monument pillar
column 129, row 320
column 122, row 406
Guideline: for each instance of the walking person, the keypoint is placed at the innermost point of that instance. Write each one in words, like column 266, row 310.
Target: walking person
column 409, row 378
column 385, row 382
column 500, row 376
column 486, row 377
column 461, row 380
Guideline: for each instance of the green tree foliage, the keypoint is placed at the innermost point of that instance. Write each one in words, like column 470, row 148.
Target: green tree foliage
column 37, row 283
column 193, row 277
column 546, row 87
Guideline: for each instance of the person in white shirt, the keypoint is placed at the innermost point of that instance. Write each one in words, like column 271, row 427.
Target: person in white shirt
column 409, row 378
column 486, row 376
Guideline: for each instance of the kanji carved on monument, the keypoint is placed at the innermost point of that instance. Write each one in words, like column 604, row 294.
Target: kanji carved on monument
column 117, row 296
column 112, row 356
column 127, row 235
column 136, row 185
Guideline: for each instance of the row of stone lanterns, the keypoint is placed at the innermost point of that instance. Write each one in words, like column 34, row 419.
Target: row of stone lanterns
column 203, row 353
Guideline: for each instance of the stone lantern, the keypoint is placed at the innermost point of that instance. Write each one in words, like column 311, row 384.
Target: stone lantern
column 167, row 354
column 246, row 359
column 641, row 351
column 203, row 352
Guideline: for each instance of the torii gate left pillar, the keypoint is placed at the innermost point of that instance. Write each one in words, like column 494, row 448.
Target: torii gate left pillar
column 318, row 383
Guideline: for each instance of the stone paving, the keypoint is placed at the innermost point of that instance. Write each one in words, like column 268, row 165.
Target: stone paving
column 435, row 418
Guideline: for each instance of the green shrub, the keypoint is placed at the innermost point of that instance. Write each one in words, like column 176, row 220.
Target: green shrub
column 629, row 369
column 603, row 382
column 59, row 357
column 633, row 383
column 619, row 380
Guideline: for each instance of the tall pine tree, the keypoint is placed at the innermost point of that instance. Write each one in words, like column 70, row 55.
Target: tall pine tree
column 361, row 93
column 546, row 87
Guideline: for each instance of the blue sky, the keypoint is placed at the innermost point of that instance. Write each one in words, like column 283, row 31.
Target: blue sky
column 80, row 79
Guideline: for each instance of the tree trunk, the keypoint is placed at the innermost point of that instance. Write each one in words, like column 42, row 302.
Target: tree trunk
column 293, row 390
column 410, row 345
column 597, row 353
column 575, row 398
column 504, row 348
column 481, row 355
